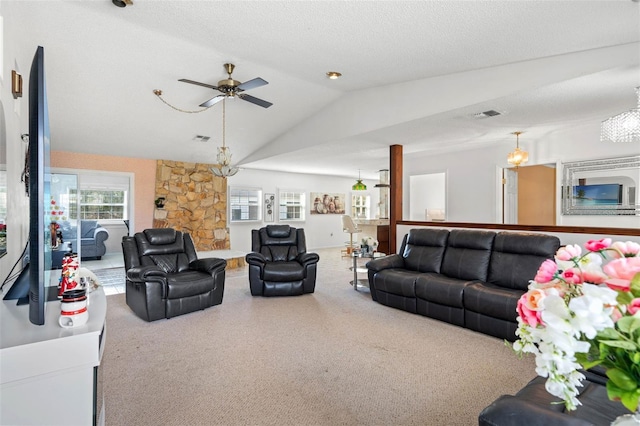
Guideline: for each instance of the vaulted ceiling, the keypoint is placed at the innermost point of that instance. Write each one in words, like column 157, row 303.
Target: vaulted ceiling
column 415, row 73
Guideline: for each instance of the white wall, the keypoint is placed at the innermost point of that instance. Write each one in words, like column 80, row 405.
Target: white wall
column 16, row 123
column 426, row 192
column 320, row 230
column 473, row 192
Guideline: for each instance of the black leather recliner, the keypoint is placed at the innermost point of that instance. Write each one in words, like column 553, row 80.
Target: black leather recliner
column 279, row 264
column 165, row 278
column 534, row 406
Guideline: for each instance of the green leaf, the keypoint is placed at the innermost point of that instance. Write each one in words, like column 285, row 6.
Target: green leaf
column 628, row 324
column 621, row 379
column 624, row 344
column 624, row 297
column 628, row 398
column 635, row 284
column 608, row 334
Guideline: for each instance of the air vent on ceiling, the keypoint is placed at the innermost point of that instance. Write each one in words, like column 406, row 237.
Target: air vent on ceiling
column 200, row 138
column 485, row 114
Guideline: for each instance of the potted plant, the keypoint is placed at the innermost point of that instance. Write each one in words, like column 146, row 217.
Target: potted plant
column 160, row 202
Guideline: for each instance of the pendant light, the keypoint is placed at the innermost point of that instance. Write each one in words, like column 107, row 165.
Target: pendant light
column 517, row 156
column 359, row 186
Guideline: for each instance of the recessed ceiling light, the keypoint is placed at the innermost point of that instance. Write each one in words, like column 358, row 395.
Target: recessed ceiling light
column 333, row 75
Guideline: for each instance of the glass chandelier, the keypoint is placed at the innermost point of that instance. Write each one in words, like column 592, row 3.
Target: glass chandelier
column 624, row 127
column 359, row 186
column 517, row 156
column 224, row 167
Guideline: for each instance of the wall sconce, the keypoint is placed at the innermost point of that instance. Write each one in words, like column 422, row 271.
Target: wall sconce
column 16, row 84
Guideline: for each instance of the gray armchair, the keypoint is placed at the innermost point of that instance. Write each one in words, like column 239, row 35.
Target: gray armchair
column 92, row 238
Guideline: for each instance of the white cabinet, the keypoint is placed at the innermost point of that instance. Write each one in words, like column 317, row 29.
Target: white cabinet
column 49, row 374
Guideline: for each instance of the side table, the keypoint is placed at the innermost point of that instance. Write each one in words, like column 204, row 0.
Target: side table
column 359, row 283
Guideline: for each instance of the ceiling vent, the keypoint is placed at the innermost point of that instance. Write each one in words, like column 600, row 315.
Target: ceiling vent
column 200, row 138
column 485, row 114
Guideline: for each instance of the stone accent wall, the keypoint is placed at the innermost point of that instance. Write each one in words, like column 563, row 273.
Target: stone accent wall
column 195, row 202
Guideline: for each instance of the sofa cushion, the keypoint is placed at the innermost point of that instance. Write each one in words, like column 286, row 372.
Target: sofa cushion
column 516, row 258
column 467, row 254
column 492, row 300
column 441, row 289
column 424, row 249
column 396, row 281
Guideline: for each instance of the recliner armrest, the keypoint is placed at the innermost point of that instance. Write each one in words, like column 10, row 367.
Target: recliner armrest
column 308, row 258
column 208, row 265
column 387, row 262
column 145, row 273
column 255, row 258
column 509, row 410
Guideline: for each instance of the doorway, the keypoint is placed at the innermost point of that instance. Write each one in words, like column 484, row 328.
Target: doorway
column 529, row 195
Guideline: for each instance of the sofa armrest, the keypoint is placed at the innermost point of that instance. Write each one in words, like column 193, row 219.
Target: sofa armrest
column 208, row 265
column 308, row 258
column 509, row 410
column 101, row 235
column 255, row 258
column 387, row 262
column 142, row 274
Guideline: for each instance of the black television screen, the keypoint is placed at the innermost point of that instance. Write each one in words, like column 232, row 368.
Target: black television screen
column 32, row 284
column 39, row 179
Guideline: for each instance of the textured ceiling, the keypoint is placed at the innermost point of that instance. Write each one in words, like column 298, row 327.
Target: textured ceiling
column 414, row 73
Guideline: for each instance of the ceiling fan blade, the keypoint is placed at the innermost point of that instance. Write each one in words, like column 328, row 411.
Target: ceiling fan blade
column 254, row 100
column 184, row 80
column 252, row 84
column 212, row 101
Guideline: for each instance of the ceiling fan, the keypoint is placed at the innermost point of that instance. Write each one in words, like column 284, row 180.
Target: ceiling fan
column 232, row 88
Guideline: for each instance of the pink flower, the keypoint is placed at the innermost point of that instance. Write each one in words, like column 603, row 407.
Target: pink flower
column 626, row 249
column 593, row 276
column 568, row 252
column 597, row 245
column 546, row 272
column 624, row 268
column 572, row 276
column 529, row 316
column 621, row 272
column 634, row 306
column 616, row 314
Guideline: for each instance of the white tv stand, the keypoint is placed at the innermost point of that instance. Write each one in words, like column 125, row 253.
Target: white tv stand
column 49, row 374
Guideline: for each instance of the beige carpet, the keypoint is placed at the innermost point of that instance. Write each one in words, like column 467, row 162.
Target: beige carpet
column 334, row 357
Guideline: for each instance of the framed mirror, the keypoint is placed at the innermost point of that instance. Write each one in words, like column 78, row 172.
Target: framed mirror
column 601, row 187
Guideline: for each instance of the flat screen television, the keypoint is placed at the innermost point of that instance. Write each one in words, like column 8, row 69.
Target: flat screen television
column 31, row 284
column 603, row 194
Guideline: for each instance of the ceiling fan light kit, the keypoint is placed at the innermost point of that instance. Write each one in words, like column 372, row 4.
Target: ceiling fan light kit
column 229, row 87
column 224, row 167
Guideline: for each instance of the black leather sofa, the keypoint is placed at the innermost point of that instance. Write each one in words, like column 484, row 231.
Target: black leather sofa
column 470, row 278
column 165, row 278
column 534, row 406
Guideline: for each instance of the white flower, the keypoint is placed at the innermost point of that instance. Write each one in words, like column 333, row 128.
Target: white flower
column 592, row 311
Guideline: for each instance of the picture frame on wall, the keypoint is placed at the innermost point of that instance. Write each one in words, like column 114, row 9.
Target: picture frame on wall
column 327, row 203
column 269, row 207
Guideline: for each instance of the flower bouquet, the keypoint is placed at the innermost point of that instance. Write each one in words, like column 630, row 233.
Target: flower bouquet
column 583, row 310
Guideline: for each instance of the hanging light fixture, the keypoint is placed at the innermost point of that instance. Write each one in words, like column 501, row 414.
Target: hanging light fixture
column 517, row 156
column 359, row 186
column 224, row 167
column 624, row 127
